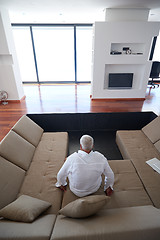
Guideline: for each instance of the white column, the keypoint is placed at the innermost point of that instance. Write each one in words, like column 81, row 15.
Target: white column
column 10, row 79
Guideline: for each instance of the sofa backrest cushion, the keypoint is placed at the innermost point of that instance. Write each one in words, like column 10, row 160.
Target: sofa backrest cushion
column 17, row 150
column 11, row 178
column 152, row 130
column 157, row 145
column 28, row 129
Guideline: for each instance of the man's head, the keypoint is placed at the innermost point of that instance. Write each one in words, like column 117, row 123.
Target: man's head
column 86, row 143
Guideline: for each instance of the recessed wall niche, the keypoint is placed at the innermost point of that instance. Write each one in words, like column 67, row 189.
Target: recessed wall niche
column 136, row 69
column 134, row 49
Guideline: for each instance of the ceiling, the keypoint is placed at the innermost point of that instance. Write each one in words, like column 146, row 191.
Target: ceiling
column 72, row 11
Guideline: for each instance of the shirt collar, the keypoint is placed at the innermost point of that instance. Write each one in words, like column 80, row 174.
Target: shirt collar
column 84, row 153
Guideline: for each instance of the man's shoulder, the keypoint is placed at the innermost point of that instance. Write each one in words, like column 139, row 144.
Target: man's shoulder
column 73, row 155
column 98, row 154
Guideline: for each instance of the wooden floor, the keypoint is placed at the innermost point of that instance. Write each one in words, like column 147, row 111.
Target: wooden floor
column 69, row 98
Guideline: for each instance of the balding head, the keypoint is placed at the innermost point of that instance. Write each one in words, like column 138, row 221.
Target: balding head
column 86, row 142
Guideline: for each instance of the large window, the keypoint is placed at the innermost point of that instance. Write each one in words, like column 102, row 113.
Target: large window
column 25, row 56
column 156, row 56
column 58, row 53
column 54, row 47
column 84, row 53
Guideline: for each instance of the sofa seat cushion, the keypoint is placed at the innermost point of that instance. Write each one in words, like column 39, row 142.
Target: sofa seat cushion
column 151, row 130
column 154, row 195
column 41, row 177
column 40, row 183
column 135, row 144
column 17, row 150
column 140, row 223
column 150, row 179
column 53, row 148
column 40, row 229
column 128, row 189
column 11, row 178
column 29, row 130
column 157, row 145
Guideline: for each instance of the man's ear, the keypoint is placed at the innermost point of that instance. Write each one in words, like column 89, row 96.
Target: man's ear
column 80, row 147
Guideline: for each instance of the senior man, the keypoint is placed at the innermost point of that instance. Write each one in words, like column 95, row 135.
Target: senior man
column 84, row 169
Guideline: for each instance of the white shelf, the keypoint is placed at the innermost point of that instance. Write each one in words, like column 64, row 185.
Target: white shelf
column 136, row 48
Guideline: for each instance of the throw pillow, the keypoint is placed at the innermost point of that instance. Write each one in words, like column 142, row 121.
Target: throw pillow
column 24, row 209
column 84, row 207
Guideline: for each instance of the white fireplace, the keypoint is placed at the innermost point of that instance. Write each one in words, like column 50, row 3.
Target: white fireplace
column 122, row 47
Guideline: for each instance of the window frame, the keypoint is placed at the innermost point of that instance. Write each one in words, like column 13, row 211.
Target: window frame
column 30, row 25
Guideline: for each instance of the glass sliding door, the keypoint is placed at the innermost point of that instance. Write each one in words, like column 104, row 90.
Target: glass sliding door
column 84, row 53
column 54, row 53
column 54, row 48
column 156, row 56
column 24, row 50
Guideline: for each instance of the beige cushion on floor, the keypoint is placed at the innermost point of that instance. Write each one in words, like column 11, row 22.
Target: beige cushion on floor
column 40, row 229
column 11, row 178
column 152, row 130
column 17, row 150
column 84, row 207
column 24, row 209
column 140, row 223
column 29, row 130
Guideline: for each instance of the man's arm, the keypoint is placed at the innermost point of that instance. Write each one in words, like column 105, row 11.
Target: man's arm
column 62, row 174
column 109, row 179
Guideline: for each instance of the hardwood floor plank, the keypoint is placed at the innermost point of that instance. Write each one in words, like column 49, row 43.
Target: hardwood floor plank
column 69, row 98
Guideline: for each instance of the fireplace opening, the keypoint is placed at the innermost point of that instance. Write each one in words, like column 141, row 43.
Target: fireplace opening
column 120, row 80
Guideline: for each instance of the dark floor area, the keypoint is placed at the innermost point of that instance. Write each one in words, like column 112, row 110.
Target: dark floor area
column 104, row 142
column 101, row 126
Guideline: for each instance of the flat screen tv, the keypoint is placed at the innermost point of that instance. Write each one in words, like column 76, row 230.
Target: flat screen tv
column 120, row 80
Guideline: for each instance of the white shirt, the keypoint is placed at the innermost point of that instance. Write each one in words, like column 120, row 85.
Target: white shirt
column 84, row 173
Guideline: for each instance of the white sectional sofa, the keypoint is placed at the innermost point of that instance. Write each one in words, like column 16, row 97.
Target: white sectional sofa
column 29, row 161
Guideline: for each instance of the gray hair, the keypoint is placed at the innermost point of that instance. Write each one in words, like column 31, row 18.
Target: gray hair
column 86, row 142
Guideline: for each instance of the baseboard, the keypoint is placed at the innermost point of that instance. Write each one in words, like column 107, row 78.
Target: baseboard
column 16, row 101
column 117, row 99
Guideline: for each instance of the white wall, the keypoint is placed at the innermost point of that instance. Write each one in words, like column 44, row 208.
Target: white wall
column 139, row 36
column 10, row 79
column 124, row 14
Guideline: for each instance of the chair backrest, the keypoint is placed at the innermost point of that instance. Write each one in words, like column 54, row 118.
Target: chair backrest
column 155, row 70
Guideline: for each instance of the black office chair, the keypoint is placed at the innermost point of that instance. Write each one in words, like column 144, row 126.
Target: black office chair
column 154, row 74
